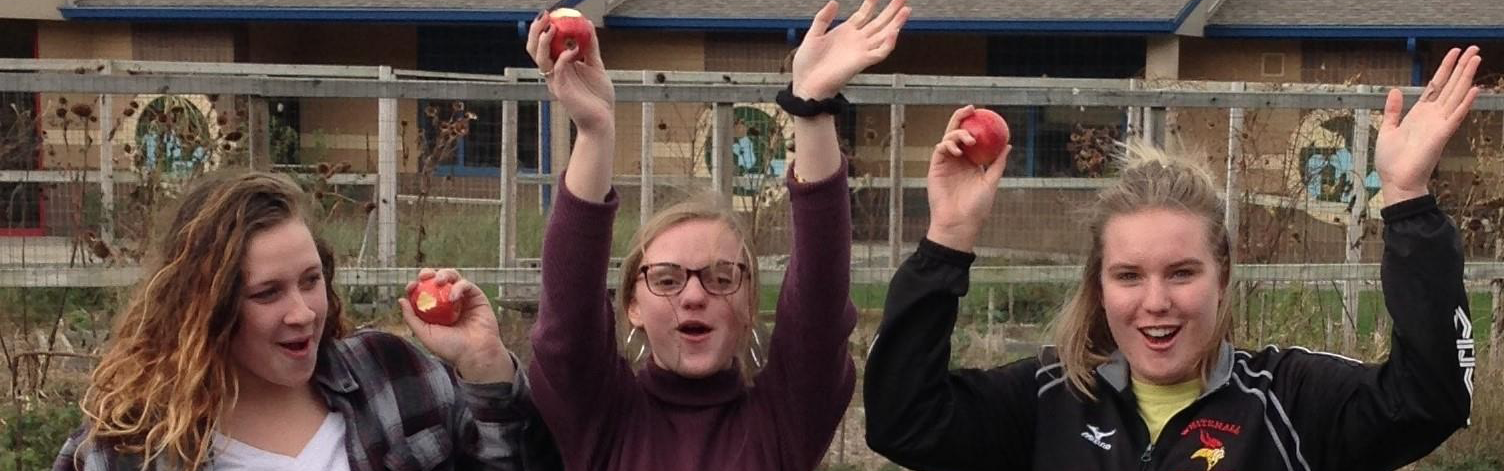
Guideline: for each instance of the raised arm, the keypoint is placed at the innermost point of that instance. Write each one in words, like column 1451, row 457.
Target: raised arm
column 1401, row 410
column 579, row 83
column 919, row 414
column 810, row 376
column 576, row 374
column 826, row 60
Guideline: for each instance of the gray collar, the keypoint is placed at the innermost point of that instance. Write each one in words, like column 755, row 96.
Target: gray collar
column 1115, row 371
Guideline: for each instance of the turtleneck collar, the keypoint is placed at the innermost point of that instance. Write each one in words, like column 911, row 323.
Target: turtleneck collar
column 719, row 388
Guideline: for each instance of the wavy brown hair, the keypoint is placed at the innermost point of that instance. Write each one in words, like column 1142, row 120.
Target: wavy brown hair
column 167, row 378
column 1150, row 178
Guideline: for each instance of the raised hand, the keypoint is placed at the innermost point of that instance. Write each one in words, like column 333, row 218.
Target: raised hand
column 473, row 343
column 829, row 57
column 960, row 192
column 579, row 82
column 1409, row 148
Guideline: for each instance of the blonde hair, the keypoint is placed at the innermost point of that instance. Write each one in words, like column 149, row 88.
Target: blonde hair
column 167, row 377
column 1150, row 178
column 704, row 207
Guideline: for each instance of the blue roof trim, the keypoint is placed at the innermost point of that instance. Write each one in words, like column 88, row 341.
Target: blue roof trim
column 1185, row 12
column 392, row 15
column 1354, row 32
column 1094, row 26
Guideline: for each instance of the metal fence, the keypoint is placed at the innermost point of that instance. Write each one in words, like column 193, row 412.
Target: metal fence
column 405, row 176
column 690, row 126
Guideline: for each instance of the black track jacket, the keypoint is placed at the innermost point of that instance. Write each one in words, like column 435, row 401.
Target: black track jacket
column 1270, row 409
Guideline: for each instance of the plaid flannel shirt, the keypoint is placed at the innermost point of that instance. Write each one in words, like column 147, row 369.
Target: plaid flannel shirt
column 403, row 410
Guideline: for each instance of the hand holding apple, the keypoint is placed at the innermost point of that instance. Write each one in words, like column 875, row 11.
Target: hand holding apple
column 431, row 302
column 989, row 133
column 452, row 318
column 570, row 31
column 960, row 191
column 576, row 76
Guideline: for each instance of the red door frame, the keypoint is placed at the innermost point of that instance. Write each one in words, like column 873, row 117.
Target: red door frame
column 36, row 106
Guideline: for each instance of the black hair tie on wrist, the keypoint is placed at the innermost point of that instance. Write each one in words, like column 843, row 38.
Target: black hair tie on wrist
column 808, row 108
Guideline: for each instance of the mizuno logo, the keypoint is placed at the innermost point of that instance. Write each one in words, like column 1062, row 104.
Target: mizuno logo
column 1095, row 436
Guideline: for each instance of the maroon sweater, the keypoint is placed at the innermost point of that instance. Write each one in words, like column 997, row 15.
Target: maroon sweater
column 606, row 417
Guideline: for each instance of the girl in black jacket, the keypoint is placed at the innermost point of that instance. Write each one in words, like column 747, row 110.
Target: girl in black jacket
column 1142, row 375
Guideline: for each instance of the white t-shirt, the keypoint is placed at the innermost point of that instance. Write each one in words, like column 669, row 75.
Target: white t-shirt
column 326, row 451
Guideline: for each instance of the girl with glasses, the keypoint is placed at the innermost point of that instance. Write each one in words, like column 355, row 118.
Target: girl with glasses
column 689, row 290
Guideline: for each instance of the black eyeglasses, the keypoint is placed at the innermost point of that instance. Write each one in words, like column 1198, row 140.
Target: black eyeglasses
column 668, row 279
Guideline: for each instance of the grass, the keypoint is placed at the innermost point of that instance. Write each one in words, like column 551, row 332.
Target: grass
column 467, row 236
column 455, row 235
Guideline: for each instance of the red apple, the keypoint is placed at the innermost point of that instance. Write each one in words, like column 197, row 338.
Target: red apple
column 571, row 30
column 431, row 303
column 991, row 133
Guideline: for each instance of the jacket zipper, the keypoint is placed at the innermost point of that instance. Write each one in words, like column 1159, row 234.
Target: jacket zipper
column 1145, row 460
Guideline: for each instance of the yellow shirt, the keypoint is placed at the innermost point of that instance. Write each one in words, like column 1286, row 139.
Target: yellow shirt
column 1156, row 404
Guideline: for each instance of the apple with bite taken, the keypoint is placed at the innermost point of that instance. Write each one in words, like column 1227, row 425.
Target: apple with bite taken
column 430, row 302
column 571, row 30
column 991, row 134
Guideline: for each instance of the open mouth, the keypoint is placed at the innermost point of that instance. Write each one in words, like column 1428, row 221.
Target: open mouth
column 694, row 329
column 297, row 347
column 1160, row 336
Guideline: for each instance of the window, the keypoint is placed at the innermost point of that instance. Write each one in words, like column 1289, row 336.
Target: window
column 21, row 206
column 285, row 124
column 477, row 50
column 1042, row 135
column 1273, row 64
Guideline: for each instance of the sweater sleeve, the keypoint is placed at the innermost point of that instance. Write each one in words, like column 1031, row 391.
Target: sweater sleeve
column 491, row 419
column 924, row 417
column 577, row 378
column 1398, row 411
column 810, row 376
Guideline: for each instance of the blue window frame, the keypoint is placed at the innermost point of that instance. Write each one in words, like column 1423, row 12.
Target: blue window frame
column 1041, row 135
column 478, row 50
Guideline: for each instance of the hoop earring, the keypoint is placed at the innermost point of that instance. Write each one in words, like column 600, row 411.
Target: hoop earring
column 642, row 348
column 755, row 347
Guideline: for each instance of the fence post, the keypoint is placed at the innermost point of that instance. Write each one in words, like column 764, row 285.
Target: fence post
column 386, row 175
column 1496, row 332
column 645, row 185
column 107, row 161
column 895, row 177
column 1234, row 201
column 1154, row 126
column 721, row 176
column 1362, row 118
column 259, row 133
column 508, row 174
column 1135, row 115
column 991, row 308
column 1231, row 217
